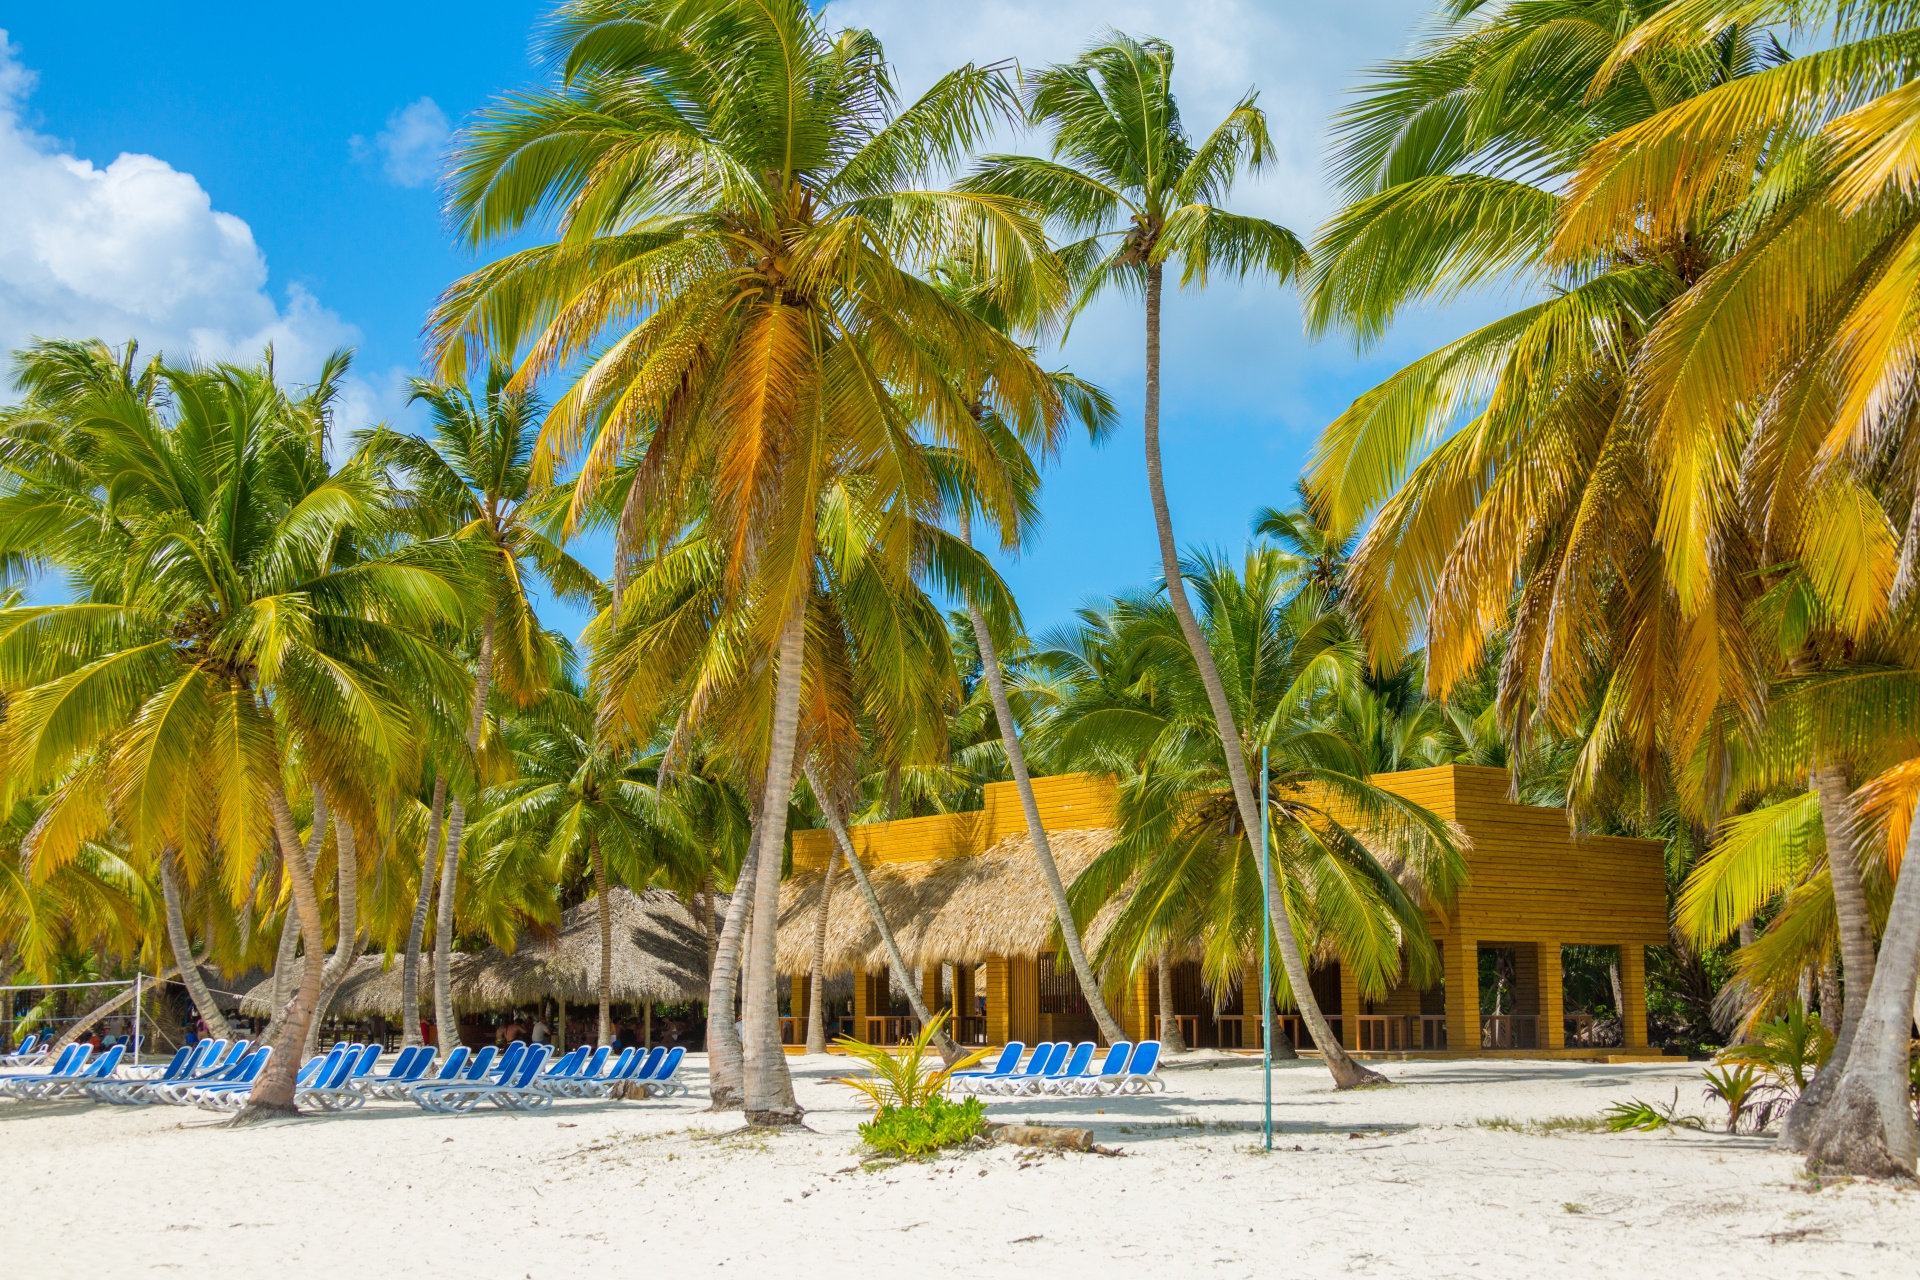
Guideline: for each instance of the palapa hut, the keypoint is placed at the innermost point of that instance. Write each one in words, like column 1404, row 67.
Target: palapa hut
column 659, row 957
column 974, row 920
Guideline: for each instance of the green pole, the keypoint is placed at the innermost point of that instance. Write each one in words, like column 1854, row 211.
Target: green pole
column 1266, row 956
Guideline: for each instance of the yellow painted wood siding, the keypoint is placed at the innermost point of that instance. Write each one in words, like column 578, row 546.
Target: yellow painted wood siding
column 1530, row 879
column 1073, row 801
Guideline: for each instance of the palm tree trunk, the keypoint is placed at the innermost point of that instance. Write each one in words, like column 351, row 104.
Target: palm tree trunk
column 273, row 1092
column 417, row 931
column 1170, row 1038
column 606, row 943
column 1036, row 833
column 86, row 1023
column 1867, row 1127
column 1835, row 792
column 443, row 1016
column 1346, row 1072
column 949, row 1052
column 291, row 938
column 724, row 1059
column 346, row 928
column 767, row 1082
column 817, row 980
column 183, row 950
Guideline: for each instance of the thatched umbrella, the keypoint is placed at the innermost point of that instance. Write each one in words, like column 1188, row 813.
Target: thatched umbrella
column 370, row 989
column 962, row 910
column 659, row 957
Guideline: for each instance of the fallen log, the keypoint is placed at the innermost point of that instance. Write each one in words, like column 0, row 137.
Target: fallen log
column 1051, row 1137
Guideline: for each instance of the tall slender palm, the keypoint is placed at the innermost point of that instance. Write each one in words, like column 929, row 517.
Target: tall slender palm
column 1128, row 180
column 221, row 630
column 470, row 483
column 736, row 187
column 1355, row 861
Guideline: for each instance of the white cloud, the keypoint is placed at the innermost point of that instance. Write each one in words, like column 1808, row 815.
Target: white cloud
column 410, row 147
column 135, row 250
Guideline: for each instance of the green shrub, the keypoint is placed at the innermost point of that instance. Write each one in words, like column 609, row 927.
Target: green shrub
column 921, row 1130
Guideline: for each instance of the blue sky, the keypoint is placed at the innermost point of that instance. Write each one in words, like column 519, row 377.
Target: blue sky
column 212, row 178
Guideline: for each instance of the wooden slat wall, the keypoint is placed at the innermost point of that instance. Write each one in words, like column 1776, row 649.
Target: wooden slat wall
column 1530, row 879
column 1067, row 802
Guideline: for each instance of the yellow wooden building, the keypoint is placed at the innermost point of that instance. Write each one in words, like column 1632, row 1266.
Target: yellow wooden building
column 975, row 923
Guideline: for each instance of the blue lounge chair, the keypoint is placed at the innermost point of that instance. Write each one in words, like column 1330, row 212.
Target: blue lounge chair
column 342, row 1092
column 1045, row 1055
column 967, row 1081
column 1061, row 1078
column 449, row 1071
column 1088, row 1081
column 71, row 1061
column 1142, row 1074
column 563, row 1074
column 665, row 1081
column 74, row 1083
column 509, row 1088
column 31, row 1049
column 116, row 1092
column 230, row 1092
column 596, row 1083
column 397, row 1071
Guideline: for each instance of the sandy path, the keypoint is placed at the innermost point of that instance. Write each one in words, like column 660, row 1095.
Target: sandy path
column 1425, row 1190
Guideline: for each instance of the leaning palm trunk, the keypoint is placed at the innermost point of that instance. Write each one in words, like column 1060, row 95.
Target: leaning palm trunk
column 817, row 978
column 417, row 931
column 346, row 930
column 290, row 932
column 766, row 1081
column 183, row 950
column 950, row 1052
column 724, row 1061
column 1170, row 1038
column 105, row 1009
column 1866, row 1126
column 1036, row 833
column 1856, row 950
column 447, row 1025
column 1346, row 1072
column 606, row 944
column 273, row 1092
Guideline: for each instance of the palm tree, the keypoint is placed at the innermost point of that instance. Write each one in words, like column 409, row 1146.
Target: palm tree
column 581, row 802
column 1128, row 700
column 742, row 181
column 1128, row 180
column 1781, row 363
column 470, row 483
column 224, row 627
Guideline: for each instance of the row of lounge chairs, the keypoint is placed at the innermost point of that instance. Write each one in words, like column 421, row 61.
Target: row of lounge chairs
column 220, row 1076
column 1067, row 1070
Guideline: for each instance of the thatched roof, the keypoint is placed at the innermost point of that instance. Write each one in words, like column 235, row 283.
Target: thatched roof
column 964, row 910
column 372, row 988
column 659, row 955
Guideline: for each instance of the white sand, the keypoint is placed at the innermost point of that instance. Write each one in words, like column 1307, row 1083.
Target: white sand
column 1425, row 1190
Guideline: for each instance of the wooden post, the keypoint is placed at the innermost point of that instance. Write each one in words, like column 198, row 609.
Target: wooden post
column 930, row 988
column 1136, row 1015
column 1553, row 1021
column 801, row 983
column 560, row 1027
column 1349, row 1008
column 998, row 1025
column 1633, row 982
column 860, row 993
column 1250, row 1006
column 1463, row 995
column 646, row 1025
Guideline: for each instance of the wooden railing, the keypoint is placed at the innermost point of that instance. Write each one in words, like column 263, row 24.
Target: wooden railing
column 1379, row 1033
column 891, row 1030
column 968, row 1030
column 1189, row 1027
column 1583, row 1030
column 1426, row 1032
column 793, row 1030
column 1510, row 1031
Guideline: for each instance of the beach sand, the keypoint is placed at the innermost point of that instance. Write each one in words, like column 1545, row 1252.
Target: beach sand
column 1407, row 1181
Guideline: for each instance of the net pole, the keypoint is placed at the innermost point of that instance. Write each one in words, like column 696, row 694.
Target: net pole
column 1266, row 959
